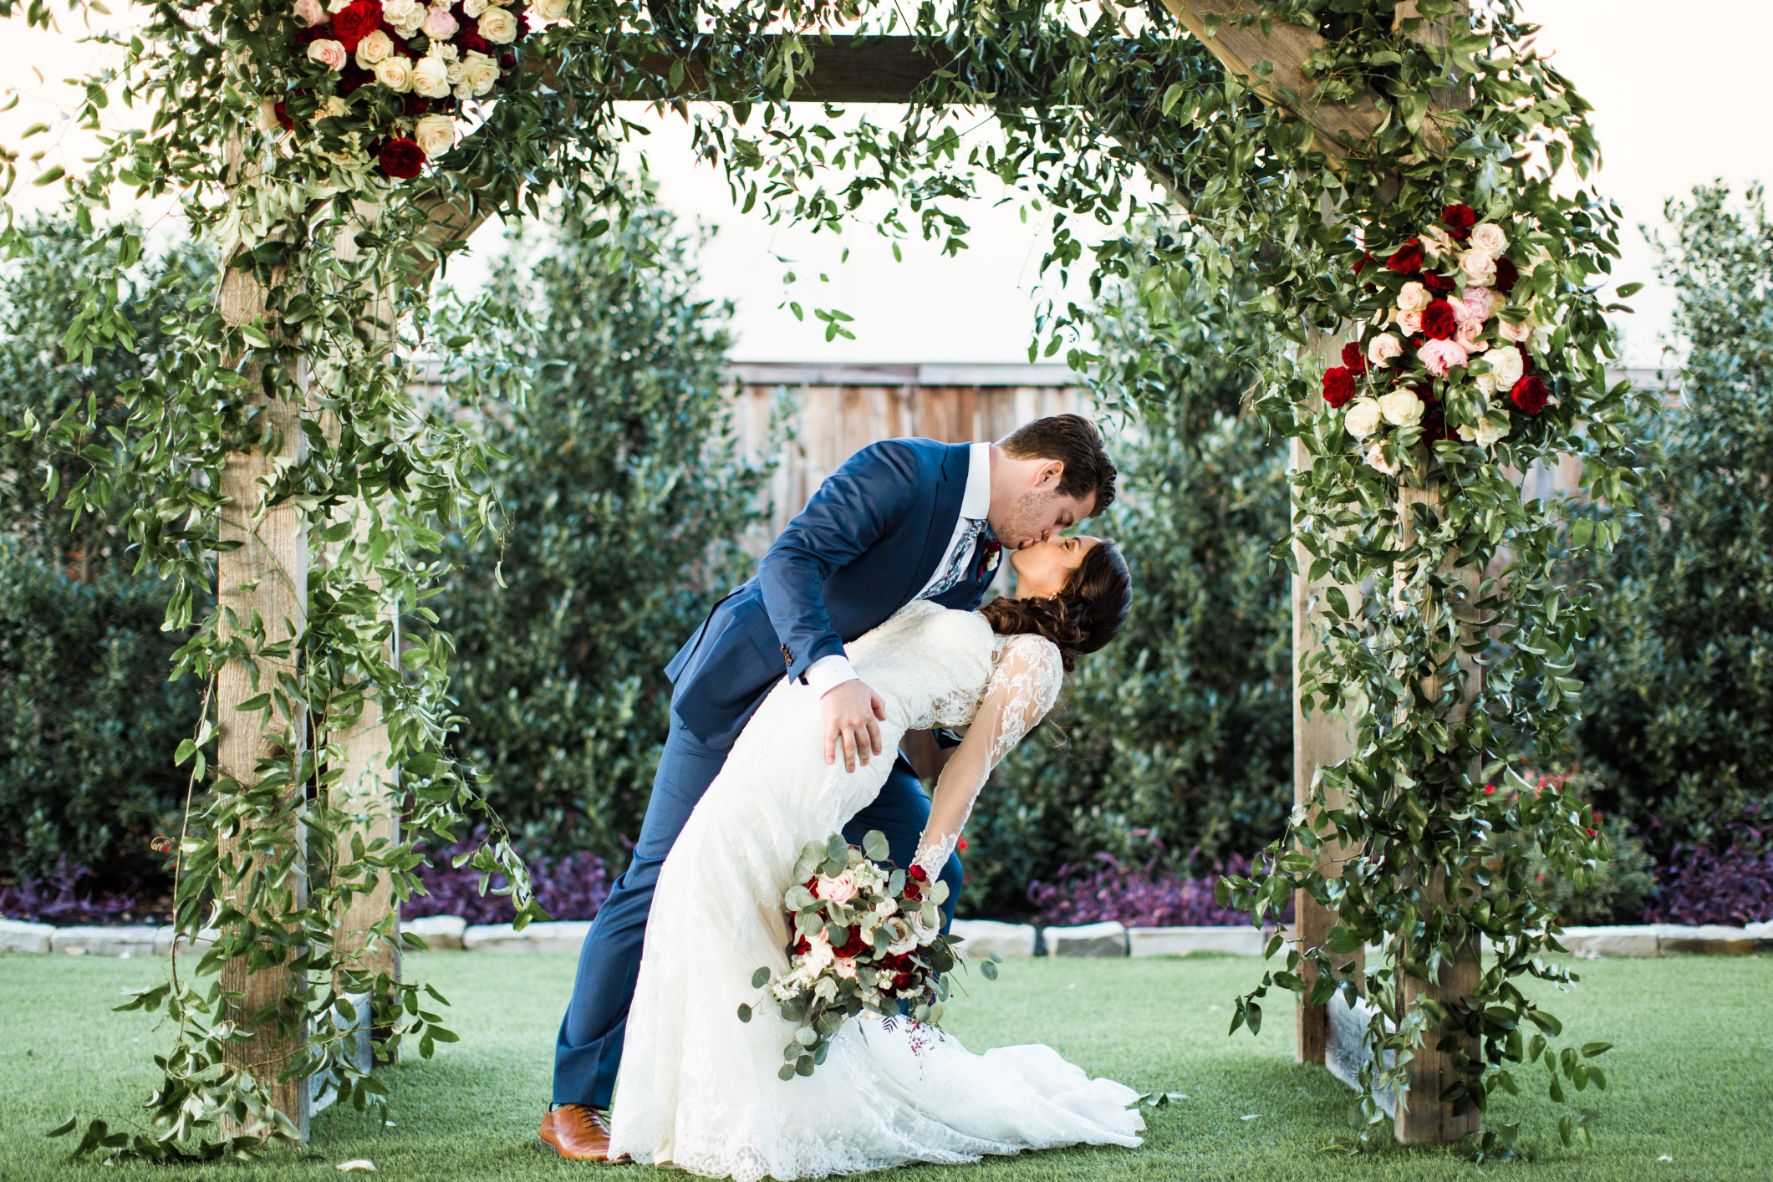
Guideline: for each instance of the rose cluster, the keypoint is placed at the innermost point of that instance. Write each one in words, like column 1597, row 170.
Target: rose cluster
column 863, row 936
column 429, row 57
column 1446, row 329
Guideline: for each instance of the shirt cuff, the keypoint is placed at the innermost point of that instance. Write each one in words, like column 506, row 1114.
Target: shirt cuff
column 829, row 672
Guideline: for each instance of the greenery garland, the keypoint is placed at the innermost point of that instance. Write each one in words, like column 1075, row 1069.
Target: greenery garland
column 1088, row 103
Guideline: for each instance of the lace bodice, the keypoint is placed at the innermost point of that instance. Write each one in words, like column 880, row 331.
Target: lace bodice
column 942, row 667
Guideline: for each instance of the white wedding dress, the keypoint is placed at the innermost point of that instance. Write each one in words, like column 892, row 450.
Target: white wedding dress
column 698, row 1088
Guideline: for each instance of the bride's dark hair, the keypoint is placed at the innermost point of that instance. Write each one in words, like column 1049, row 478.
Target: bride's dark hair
column 1086, row 613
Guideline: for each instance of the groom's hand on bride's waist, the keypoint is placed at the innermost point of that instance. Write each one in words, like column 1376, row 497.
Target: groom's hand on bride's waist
column 853, row 714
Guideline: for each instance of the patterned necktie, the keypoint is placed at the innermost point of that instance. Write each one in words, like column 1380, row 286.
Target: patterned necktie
column 958, row 557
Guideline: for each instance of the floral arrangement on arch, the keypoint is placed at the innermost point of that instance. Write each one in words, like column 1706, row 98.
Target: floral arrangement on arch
column 1447, row 327
column 423, row 60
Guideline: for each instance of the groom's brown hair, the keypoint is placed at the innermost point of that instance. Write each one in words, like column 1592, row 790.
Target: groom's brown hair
column 1074, row 441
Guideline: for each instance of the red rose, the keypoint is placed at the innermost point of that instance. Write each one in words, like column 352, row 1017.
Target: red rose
column 1528, row 395
column 962, row 844
column 1459, row 219
column 802, row 946
column 913, row 892
column 917, row 873
column 1438, row 321
column 1338, row 386
column 1406, row 259
column 1352, row 357
column 283, row 119
column 1438, row 284
column 1506, row 274
column 414, row 104
column 1360, row 264
column 355, row 21
column 401, row 158
column 812, row 884
column 854, row 946
column 901, row 981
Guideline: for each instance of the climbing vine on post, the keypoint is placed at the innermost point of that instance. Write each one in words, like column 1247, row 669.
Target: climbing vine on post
column 1299, row 142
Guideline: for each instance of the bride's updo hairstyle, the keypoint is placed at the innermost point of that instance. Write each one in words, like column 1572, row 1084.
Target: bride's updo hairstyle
column 1086, row 613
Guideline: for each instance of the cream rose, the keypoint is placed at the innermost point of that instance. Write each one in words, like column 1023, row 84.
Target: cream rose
column 431, row 77
column 1489, row 238
column 480, row 72
column 474, row 7
column 1517, row 331
column 328, row 53
column 1401, row 408
column 819, row 955
column 377, row 47
column 498, row 26
column 436, row 134
column 405, row 15
column 1410, row 322
column 1437, row 242
column 1382, row 349
column 1413, row 297
column 1362, row 417
column 1375, row 458
column 1479, row 266
column 900, row 936
column 550, row 10
column 1438, row 357
column 395, row 73
column 309, row 12
column 1485, row 383
column 1486, row 433
column 1506, row 365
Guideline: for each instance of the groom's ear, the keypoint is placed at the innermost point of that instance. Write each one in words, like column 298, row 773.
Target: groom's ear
column 1049, row 474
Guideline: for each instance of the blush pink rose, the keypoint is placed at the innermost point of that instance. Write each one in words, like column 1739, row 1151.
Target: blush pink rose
column 1438, row 357
column 1474, row 306
column 1410, row 322
column 310, row 12
column 1383, row 349
column 1516, row 332
column 1470, row 335
column 840, row 890
column 328, row 53
column 440, row 24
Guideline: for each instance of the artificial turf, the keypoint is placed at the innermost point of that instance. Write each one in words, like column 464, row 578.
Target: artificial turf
column 1690, row 1077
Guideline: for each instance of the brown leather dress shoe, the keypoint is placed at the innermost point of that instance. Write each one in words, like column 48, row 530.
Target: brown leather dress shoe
column 577, row 1132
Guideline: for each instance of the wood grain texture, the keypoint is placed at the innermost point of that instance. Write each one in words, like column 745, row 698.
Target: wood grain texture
column 263, row 575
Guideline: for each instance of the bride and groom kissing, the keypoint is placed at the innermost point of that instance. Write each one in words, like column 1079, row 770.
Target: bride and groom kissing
column 863, row 622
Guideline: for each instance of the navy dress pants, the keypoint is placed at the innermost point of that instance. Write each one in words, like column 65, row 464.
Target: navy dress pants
column 588, row 1049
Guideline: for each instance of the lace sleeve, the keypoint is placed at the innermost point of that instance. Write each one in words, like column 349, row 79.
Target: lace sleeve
column 1023, row 686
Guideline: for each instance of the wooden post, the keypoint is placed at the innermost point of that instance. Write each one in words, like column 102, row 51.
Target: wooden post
column 264, row 577
column 1319, row 740
column 1421, row 1114
column 367, row 785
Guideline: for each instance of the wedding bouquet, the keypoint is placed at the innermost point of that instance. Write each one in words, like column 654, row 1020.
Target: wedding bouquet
column 864, row 935
column 1452, row 344
column 400, row 71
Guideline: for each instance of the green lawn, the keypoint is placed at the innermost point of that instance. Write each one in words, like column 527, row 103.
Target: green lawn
column 1691, row 1075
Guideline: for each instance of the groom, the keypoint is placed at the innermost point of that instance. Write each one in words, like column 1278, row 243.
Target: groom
column 903, row 519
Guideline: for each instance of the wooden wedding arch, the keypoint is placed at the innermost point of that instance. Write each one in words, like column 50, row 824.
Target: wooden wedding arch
column 268, row 581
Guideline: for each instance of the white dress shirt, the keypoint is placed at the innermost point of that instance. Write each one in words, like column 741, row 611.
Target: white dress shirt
column 834, row 669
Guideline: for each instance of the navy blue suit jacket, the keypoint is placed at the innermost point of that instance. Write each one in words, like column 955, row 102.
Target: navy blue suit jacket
column 864, row 546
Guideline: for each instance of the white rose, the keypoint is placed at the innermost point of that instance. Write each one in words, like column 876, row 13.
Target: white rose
column 328, row 53
column 480, row 72
column 885, row 908
column 1479, row 266
column 1489, row 238
column 309, row 12
column 1517, row 331
column 455, row 73
column 1486, row 433
column 498, row 26
column 901, row 937
column 818, row 956
column 377, row 47
column 1413, row 297
column 436, row 134
column 845, row 968
column 395, row 73
column 1401, row 408
column 431, row 77
column 474, row 7
column 1375, row 458
column 550, row 10
column 1438, row 242
column 441, row 24
column 1505, row 366
column 1382, row 349
column 337, row 5
column 1362, row 417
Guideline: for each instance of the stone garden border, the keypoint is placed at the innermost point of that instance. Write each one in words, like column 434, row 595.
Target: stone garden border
column 1009, row 940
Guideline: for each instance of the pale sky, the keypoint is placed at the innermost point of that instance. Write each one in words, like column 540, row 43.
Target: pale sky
column 1668, row 117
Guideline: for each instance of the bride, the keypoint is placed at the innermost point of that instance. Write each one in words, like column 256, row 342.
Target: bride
column 697, row 1087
